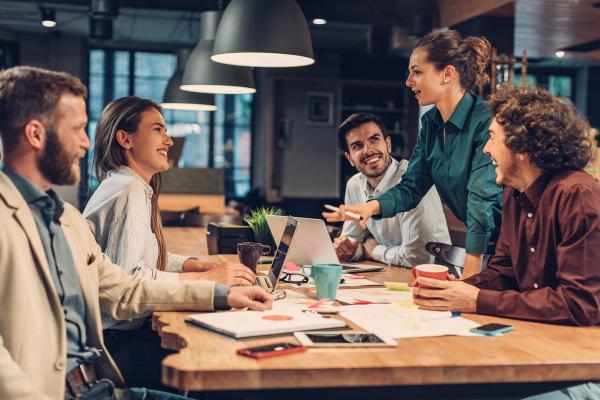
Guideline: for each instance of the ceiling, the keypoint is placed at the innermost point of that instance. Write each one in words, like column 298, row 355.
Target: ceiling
column 541, row 26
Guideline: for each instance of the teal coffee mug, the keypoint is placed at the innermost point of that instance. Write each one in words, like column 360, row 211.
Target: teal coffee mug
column 327, row 278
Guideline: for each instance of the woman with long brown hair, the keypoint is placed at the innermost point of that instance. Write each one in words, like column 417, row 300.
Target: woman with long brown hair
column 130, row 151
column 445, row 70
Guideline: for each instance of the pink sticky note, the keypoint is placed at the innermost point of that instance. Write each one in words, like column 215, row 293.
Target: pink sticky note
column 319, row 302
column 357, row 301
column 353, row 276
column 290, row 266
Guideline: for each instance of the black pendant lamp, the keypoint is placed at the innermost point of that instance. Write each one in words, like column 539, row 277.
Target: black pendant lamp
column 206, row 76
column 177, row 99
column 263, row 33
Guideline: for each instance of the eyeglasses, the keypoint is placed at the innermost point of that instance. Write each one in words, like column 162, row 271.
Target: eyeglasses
column 295, row 278
column 279, row 294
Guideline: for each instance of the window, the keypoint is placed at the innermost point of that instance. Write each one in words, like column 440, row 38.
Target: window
column 558, row 85
column 118, row 73
column 531, row 79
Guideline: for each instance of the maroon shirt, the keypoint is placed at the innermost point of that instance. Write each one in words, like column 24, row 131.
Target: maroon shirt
column 547, row 262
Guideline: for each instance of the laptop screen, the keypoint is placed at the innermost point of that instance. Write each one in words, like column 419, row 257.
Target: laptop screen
column 282, row 249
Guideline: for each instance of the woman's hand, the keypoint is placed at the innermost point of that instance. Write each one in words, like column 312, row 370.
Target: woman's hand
column 365, row 210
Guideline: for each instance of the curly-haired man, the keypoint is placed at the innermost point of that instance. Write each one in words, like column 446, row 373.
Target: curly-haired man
column 546, row 263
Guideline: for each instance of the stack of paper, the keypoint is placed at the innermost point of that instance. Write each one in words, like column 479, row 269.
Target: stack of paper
column 243, row 324
column 372, row 295
column 397, row 322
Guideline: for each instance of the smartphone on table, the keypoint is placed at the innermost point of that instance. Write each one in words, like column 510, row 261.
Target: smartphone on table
column 343, row 339
column 271, row 350
column 492, row 329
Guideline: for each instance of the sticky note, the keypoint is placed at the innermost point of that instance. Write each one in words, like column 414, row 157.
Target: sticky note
column 290, row 266
column 401, row 286
column 405, row 305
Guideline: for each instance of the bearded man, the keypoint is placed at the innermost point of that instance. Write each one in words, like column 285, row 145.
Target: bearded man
column 399, row 240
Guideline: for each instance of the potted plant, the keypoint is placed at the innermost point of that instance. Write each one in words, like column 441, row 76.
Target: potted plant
column 257, row 221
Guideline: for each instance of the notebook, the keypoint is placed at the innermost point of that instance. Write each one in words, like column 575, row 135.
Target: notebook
column 245, row 324
column 312, row 244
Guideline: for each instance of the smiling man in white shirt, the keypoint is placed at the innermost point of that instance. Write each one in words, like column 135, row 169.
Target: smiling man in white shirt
column 399, row 240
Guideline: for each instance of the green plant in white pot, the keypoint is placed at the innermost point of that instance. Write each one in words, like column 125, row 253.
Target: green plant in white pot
column 258, row 222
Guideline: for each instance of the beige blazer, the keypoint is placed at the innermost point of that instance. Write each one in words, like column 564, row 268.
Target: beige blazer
column 32, row 325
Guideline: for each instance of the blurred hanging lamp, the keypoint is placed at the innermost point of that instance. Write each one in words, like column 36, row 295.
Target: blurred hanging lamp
column 177, row 99
column 206, row 76
column 48, row 17
column 263, row 33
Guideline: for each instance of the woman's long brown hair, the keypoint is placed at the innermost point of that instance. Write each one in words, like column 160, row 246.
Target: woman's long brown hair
column 125, row 114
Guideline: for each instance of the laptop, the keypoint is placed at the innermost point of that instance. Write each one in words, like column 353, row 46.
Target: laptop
column 287, row 233
column 312, row 244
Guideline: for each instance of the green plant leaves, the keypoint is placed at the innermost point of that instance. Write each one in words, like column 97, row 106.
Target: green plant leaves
column 258, row 222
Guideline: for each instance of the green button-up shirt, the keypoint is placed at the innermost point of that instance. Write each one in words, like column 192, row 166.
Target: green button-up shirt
column 462, row 174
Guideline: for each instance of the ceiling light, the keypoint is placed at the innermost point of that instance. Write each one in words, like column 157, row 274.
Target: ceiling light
column 206, row 76
column 178, row 99
column 560, row 54
column 263, row 33
column 319, row 21
column 48, row 17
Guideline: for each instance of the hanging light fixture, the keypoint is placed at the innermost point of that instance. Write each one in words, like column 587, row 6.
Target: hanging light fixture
column 177, row 99
column 206, row 76
column 263, row 33
column 48, row 17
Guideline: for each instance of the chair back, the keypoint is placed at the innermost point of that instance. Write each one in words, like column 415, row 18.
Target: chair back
column 446, row 254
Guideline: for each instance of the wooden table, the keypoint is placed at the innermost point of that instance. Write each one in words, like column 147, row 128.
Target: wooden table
column 533, row 353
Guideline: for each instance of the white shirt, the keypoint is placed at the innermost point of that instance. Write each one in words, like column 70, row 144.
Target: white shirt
column 401, row 239
column 119, row 214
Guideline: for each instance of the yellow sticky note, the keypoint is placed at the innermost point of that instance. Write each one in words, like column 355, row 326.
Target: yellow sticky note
column 405, row 305
column 401, row 286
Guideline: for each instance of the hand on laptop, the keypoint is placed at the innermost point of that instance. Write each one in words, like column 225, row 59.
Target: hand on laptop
column 253, row 298
column 365, row 210
column 229, row 273
column 345, row 248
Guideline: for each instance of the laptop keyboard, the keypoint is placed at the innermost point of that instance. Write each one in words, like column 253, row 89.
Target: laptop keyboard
column 264, row 282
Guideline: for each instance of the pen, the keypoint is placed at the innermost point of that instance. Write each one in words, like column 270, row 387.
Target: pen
column 441, row 315
column 348, row 213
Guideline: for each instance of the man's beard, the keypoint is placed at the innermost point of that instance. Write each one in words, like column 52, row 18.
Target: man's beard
column 55, row 164
column 376, row 174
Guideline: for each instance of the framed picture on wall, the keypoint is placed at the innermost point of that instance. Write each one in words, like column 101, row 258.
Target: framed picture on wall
column 319, row 108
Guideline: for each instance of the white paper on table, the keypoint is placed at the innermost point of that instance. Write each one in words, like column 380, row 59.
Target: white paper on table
column 397, row 323
column 372, row 295
column 295, row 301
column 349, row 281
column 292, row 301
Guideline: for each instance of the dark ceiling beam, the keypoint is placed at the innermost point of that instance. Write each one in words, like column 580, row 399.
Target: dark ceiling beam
column 452, row 12
column 378, row 12
column 168, row 5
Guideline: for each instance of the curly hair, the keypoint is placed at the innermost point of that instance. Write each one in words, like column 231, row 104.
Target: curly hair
column 543, row 126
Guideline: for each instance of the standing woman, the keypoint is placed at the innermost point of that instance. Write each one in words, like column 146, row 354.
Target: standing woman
column 130, row 150
column 445, row 70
